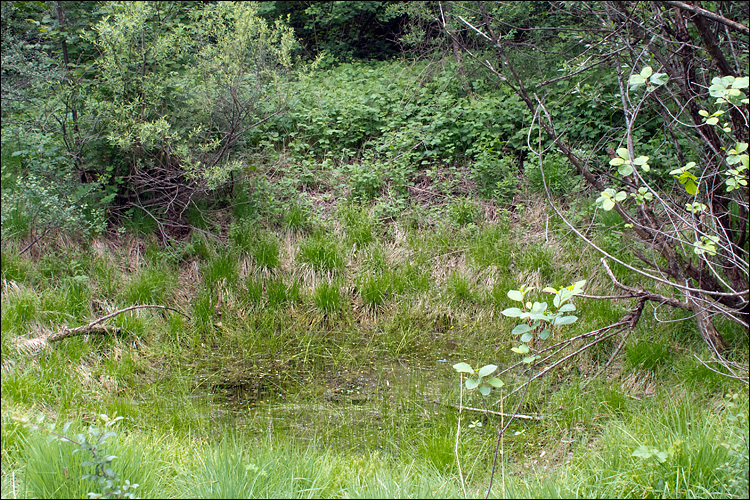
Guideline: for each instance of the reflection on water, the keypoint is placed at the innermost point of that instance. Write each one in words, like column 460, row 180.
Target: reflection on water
column 357, row 409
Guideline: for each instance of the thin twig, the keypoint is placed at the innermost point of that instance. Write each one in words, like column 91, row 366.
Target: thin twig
column 35, row 241
column 480, row 410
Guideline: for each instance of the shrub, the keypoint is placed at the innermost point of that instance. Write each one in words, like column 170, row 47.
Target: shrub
column 558, row 173
column 495, row 175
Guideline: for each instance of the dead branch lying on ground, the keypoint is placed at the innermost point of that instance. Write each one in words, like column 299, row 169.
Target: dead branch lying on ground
column 34, row 345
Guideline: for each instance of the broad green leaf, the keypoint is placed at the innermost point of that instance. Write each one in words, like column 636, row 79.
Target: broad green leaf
column 565, row 320
column 521, row 349
column 496, row 382
column 733, row 159
column 515, row 295
column 527, row 336
column 643, row 452
column 539, row 307
column 640, row 160
column 544, row 334
column 567, row 308
column 623, row 153
column 616, row 161
column 608, row 205
column 512, row 312
column 621, row 195
column 646, row 72
column 659, row 79
column 463, row 368
column 471, row 383
column 486, row 370
column 740, row 148
column 485, row 390
column 636, row 81
column 522, row 328
column 529, row 359
column 718, row 91
column 741, row 83
column 625, row 169
column 691, row 187
column 696, row 207
column 549, row 289
column 703, row 113
column 712, row 121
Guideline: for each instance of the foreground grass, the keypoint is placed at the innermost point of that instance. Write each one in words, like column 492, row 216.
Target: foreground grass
column 325, row 359
column 703, row 454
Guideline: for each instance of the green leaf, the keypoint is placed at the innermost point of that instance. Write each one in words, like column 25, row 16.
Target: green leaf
column 741, row 83
column 539, row 307
column 565, row 320
column 659, row 79
column 544, row 334
column 646, row 72
column 515, row 295
column 512, row 312
column 608, row 205
column 522, row 328
column 486, row 370
column 691, row 187
column 712, row 121
column 463, row 368
column 527, row 336
column 616, row 161
column 567, row 308
column 636, row 81
column 521, row 349
column 643, row 452
column 621, row 195
column 485, row 390
column 625, row 169
column 623, row 153
column 529, row 359
column 471, row 383
column 496, row 382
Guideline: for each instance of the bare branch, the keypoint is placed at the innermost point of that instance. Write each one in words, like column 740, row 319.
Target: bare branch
column 710, row 15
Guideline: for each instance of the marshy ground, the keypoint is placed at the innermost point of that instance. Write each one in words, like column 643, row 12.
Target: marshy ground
column 324, row 352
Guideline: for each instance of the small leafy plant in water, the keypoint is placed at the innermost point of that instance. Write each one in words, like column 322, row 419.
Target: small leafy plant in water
column 484, row 384
column 539, row 320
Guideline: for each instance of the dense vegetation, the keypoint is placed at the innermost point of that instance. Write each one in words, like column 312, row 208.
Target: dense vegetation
column 303, row 224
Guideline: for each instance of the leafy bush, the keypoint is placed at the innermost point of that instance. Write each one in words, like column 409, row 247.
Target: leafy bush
column 40, row 188
column 463, row 211
column 558, row 173
column 365, row 181
column 495, row 175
